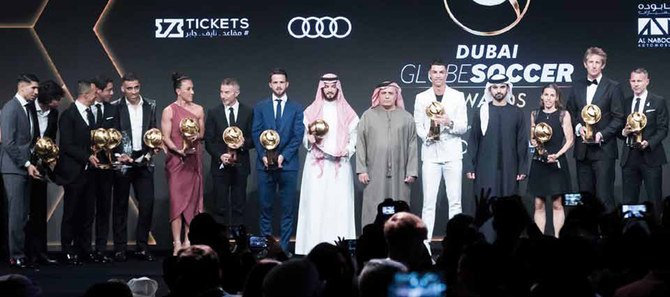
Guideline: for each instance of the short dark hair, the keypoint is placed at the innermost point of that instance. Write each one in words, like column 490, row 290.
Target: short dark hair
column 101, row 82
column 49, row 91
column 27, row 78
column 437, row 62
column 83, row 86
column 130, row 76
column 641, row 70
column 278, row 71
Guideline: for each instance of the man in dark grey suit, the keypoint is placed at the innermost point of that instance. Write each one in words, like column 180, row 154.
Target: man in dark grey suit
column 19, row 132
column 644, row 162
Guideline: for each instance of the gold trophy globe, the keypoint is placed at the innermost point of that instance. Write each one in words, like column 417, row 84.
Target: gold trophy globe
column 106, row 140
column 542, row 133
column 591, row 115
column 318, row 128
column 188, row 128
column 434, row 110
column 46, row 151
column 636, row 122
column 234, row 139
column 153, row 139
column 270, row 141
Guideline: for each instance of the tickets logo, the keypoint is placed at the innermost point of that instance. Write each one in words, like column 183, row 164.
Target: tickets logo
column 201, row 27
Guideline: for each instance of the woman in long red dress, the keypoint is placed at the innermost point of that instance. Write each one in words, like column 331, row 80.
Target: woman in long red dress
column 183, row 166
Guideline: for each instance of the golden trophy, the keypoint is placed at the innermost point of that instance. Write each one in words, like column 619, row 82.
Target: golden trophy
column 188, row 128
column 433, row 110
column 636, row 122
column 591, row 115
column 153, row 139
column 542, row 133
column 270, row 141
column 318, row 128
column 46, row 151
column 105, row 140
column 234, row 139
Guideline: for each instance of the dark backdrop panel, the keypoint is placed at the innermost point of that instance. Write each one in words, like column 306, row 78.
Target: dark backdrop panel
column 388, row 40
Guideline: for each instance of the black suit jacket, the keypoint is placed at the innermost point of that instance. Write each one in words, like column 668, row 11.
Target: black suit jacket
column 52, row 125
column 148, row 122
column 609, row 98
column 214, row 126
column 656, row 130
column 75, row 146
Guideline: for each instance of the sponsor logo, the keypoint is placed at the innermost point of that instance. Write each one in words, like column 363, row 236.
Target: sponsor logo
column 201, row 27
column 514, row 7
column 319, row 27
column 653, row 24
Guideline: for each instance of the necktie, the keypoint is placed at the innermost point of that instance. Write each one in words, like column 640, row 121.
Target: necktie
column 592, row 82
column 637, row 105
column 231, row 117
column 278, row 112
column 98, row 119
column 90, row 118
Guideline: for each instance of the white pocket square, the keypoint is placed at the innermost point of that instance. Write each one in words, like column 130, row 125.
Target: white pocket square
column 109, row 118
column 650, row 110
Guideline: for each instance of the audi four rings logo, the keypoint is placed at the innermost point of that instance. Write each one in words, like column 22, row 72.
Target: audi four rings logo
column 319, row 27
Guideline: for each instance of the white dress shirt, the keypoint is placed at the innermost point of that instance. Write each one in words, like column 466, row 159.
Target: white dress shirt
column 136, row 117
column 236, row 107
column 42, row 118
column 23, row 103
column 94, row 109
column 274, row 104
column 82, row 111
column 591, row 89
column 643, row 101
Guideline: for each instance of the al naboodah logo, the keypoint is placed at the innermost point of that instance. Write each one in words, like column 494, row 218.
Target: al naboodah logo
column 514, row 8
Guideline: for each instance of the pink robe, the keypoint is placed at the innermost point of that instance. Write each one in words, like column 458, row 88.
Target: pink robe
column 184, row 174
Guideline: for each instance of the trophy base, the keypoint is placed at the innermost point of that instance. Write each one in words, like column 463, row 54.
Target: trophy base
column 112, row 166
column 542, row 159
column 636, row 145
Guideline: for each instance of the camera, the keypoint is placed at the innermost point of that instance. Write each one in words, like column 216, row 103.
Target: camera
column 351, row 246
column 388, row 210
column 633, row 210
column 572, row 199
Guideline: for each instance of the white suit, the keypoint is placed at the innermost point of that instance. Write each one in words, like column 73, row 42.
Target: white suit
column 443, row 157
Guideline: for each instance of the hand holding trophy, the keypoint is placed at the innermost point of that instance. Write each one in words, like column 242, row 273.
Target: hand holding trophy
column 635, row 123
column 106, row 140
column 591, row 115
column 234, row 139
column 190, row 130
column 153, row 139
column 318, row 128
column 541, row 133
column 270, row 141
column 46, row 151
column 434, row 110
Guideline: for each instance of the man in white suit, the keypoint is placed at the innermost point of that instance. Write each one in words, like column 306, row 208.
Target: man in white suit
column 441, row 151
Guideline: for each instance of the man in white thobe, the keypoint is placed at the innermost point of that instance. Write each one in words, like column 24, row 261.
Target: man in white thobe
column 327, row 192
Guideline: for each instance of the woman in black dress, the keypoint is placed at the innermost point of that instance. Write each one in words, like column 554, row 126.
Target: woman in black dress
column 551, row 178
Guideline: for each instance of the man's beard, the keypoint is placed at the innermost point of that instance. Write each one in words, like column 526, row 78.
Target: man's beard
column 499, row 96
column 325, row 96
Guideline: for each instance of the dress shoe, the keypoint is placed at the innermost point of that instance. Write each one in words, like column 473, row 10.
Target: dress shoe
column 100, row 257
column 72, row 259
column 120, row 256
column 43, row 259
column 20, row 262
column 144, row 255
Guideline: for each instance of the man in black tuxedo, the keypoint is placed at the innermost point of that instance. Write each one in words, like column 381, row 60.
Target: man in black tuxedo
column 595, row 161
column 229, row 176
column 75, row 171
column 137, row 114
column 105, row 117
column 18, row 137
column 644, row 161
column 46, row 115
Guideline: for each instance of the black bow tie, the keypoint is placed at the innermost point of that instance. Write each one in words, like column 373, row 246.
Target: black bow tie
column 591, row 82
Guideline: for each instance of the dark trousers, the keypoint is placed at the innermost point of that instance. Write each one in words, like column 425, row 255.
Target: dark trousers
column 17, row 193
column 142, row 180
column 268, row 181
column 78, row 214
column 597, row 177
column 230, row 196
column 104, row 179
column 633, row 173
column 36, row 228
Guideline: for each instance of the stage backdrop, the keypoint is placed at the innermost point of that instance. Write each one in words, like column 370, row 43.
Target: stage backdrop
column 364, row 42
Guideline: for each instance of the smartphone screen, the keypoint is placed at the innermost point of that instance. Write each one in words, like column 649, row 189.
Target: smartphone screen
column 633, row 210
column 388, row 210
column 258, row 242
column 572, row 199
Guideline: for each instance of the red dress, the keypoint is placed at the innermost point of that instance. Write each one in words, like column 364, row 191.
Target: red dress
column 184, row 174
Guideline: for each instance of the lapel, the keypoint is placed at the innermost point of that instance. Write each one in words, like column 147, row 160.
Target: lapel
column 124, row 116
column 24, row 120
column 582, row 92
column 146, row 116
column 77, row 115
column 224, row 116
column 270, row 115
column 600, row 90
